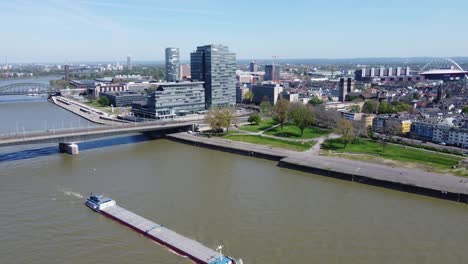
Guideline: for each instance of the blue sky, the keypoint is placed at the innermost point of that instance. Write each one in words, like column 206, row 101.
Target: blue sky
column 94, row 30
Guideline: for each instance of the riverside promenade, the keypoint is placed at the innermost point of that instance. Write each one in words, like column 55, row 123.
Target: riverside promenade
column 444, row 186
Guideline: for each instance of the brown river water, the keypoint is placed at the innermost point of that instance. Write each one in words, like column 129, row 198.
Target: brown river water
column 260, row 212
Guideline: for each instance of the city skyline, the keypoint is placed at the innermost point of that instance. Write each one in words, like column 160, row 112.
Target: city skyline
column 82, row 30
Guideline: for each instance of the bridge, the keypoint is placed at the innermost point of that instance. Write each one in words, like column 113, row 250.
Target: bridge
column 67, row 138
column 27, row 89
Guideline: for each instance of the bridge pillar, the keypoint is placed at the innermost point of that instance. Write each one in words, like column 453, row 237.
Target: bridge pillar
column 69, row 148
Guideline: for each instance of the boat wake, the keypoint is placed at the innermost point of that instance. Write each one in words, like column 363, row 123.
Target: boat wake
column 69, row 192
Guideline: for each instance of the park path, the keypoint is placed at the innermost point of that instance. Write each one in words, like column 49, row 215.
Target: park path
column 315, row 150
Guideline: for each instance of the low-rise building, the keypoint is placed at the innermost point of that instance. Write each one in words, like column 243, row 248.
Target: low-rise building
column 391, row 125
column 107, row 87
column 291, row 97
column 265, row 91
column 172, row 99
column 366, row 119
column 122, row 99
column 422, row 130
column 139, row 86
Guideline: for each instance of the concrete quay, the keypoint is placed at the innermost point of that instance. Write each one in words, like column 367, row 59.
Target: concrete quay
column 443, row 186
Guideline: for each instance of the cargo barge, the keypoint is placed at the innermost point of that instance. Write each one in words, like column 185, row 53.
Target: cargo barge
column 179, row 244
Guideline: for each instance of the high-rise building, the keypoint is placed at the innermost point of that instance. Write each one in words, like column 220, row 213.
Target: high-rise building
column 345, row 86
column 67, row 73
column 184, row 72
column 216, row 66
column 172, row 64
column 129, row 63
column 272, row 73
column 350, row 85
column 253, row 66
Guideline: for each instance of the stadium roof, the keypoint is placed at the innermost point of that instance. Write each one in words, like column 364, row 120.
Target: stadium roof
column 444, row 71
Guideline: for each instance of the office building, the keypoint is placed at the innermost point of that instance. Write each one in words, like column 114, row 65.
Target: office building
column 123, row 99
column 172, row 99
column 172, row 64
column 272, row 73
column 267, row 91
column 253, row 66
column 291, row 97
column 184, row 72
column 129, row 63
column 346, row 86
column 216, row 67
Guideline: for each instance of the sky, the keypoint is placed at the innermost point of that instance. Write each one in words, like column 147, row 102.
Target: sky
column 93, row 30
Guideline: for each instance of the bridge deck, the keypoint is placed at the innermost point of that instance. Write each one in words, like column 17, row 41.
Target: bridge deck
column 182, row 245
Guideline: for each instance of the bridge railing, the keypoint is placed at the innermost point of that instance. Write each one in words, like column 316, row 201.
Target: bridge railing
column 21, row 132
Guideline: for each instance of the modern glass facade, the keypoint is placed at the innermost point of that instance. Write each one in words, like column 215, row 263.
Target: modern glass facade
column 172, row 64
column 122, row 99
column 262, row 92
column 216, row 66
column 173, row 99
column 272, row 73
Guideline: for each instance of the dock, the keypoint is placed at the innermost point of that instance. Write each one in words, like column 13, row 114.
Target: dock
column 181, row 245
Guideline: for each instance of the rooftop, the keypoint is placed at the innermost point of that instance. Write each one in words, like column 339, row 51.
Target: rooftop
column 444, row 71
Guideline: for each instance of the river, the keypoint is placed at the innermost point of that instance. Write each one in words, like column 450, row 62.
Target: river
column 260, row 212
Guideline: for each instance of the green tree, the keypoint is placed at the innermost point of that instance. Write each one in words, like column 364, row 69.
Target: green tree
column 104, row 101
column 416, row 96
column 355, row 108
column 400, row 107
column 346, row 130
column 220, row 118
column 315, row 101
column 255, row 119
column 369, row 107
column 280, row 112
column 301, row 115
column 370, row 132
column 385, row 108
column 327, row 118
column 351, row 97
column 248, row 96
column 265, row 106
column 465, row 109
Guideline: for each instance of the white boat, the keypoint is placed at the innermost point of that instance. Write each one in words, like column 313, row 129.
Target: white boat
column 99, row 202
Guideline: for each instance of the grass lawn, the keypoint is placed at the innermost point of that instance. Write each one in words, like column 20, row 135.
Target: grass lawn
column 265, row 124
column 394, row 152
column 292, row 131
column 106, row 109
column 272, row 142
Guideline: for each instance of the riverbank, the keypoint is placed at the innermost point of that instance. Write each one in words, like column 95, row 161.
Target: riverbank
column 443, row 186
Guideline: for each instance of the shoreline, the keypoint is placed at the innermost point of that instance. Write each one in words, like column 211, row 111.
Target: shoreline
column 442, row 186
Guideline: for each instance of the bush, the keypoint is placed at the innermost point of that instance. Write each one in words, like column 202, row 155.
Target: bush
column 255, row 119
column 104, row 101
